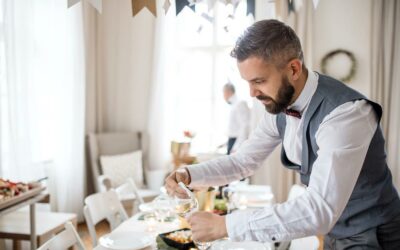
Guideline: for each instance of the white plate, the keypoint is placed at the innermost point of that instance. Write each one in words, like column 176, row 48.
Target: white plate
column 126, row 240
column 146, row 207
column 248, row 245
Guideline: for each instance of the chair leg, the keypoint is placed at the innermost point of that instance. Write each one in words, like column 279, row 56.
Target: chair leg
column 16, row 245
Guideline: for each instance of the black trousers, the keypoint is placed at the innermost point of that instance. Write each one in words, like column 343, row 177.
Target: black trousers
column 383, row 237
column 231, row 142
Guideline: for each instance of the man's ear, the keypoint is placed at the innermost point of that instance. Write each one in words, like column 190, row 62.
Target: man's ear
column 295, row 67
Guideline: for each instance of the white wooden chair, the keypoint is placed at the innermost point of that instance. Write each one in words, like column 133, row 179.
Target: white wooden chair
column 100, row 206
column 114, row 144
column 64, row 240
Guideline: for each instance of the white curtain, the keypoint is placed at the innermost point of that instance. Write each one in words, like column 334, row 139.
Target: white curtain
column 162, row 86
column 42, row 97
column 385, row 75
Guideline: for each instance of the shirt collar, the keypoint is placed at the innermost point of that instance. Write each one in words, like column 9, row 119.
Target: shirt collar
column 308, row 91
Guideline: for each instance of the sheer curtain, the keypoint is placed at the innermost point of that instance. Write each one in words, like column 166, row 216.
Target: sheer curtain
column 42, row 97
column 385, row 75
column 162, row 86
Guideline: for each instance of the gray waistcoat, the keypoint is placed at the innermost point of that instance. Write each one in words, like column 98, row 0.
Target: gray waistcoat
column 374, row 200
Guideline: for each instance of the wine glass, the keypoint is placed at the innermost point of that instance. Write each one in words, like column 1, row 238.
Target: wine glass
column 186, row 206
column 162, row 207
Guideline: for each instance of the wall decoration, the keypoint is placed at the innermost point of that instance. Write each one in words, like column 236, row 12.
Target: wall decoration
column 97, row 4
column 138, row 5
column 344, row 75
column 251, row 7
column 166, row 6
column 180, row 4
column 315, row 2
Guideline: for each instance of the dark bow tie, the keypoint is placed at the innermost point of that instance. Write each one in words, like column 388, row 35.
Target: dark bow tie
column 293, row 112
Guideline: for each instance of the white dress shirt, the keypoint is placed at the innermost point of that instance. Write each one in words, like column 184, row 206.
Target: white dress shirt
column 343, row 139
column 239, row 118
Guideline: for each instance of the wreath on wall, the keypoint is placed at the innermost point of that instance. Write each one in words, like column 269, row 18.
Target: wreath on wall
column 330, row 57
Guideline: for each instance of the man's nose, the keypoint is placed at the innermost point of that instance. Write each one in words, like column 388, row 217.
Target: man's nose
column 254, row 92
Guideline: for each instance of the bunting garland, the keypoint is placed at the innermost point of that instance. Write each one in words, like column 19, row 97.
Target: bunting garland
column 166, row 6
column 138, row 5
column 315, row 2
column 180, row 4
column 97, row 4
column 210, row 4
column 251, row 7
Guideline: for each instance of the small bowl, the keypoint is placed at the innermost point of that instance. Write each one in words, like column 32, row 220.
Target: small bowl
column 175, row 244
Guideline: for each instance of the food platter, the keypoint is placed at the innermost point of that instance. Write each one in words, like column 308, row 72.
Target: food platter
column 34, row 189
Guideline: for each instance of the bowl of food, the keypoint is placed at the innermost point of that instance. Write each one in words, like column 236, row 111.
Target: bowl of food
column 180, row 239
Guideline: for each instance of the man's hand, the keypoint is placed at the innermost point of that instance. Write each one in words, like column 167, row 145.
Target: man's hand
column 171, row 183
column 207, row 226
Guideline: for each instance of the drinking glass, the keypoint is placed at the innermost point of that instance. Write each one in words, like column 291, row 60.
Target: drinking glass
column 186, row 206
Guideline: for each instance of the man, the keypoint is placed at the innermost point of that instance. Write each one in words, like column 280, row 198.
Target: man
column 239, row 117
column 330, row 135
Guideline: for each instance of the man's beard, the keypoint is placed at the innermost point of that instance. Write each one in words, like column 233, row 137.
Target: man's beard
column 285, row 95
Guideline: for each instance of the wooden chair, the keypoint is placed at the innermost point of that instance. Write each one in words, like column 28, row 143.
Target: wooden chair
column 15, row 226
column 64, row 240
column 114, row 144
column 103, row 206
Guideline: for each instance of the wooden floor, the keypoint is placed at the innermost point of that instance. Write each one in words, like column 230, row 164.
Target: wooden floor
column 102, row 228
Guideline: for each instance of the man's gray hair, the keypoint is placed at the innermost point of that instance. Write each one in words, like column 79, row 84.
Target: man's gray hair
column 271, row 40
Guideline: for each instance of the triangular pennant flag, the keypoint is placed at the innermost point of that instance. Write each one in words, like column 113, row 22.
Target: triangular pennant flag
column 138, row 5
column 210, row 4
column 298, row 4
column 251, row 7
column 97, row 4
column 166, row 6
column 71, row 3
column 180, row 4
column 235, row 4
column 291, row 7
column 315, row 2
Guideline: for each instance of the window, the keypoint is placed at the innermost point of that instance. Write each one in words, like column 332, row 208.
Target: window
column 204, row 65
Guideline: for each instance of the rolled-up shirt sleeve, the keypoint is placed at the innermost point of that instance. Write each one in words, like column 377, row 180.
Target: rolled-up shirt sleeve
column 343, row 139
column 243, row 162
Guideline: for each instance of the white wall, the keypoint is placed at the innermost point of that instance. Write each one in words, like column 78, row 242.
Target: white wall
column 125, row 53
column 344, row 24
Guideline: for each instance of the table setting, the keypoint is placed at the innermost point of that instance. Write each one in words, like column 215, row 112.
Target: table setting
column 161, row 225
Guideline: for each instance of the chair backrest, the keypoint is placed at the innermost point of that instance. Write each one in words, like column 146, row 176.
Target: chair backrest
column 309, row 243
column 64, row 240
column 113, row 144
column 128, row 188
column 295, row 191
column 100, row 206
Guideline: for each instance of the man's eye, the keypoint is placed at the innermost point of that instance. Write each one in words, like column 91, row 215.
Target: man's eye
column 259, row 81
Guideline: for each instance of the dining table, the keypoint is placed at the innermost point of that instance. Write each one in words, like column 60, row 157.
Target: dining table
column 138, row 225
